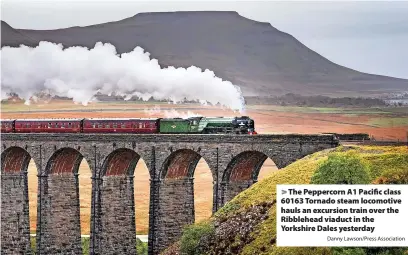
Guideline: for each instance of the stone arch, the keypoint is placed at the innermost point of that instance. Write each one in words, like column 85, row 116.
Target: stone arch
column 244, row 166
column 64, row 161
column 241, row 173
column 14, row 160
column 121, row 161
column 15, row 221
column 116, row 220
column 58, row 223
column 180, row 164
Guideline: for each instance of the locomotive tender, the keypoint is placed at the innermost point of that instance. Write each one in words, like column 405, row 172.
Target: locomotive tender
column 193, row 125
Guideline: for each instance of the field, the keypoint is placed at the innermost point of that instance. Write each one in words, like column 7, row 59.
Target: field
column 380, row 123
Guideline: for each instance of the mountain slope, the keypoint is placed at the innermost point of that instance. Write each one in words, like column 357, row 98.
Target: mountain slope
column 254, row 55
column 13, row 37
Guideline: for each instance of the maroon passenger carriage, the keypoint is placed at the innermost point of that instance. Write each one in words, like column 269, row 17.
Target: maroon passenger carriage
column 107, row 125
column 47, row 125
column 7, row 126
column 117, row 125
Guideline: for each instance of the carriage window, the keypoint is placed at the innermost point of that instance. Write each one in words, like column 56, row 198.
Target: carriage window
column 107, row 126
column 100, row 125
column 49, row 125
column 123, row 125
column 115, row 125
column 140, row 125
column 93, row 125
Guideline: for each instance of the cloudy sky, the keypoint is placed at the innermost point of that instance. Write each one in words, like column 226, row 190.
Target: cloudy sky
column 367, row 36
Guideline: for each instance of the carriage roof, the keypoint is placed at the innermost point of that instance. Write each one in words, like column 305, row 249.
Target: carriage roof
column 121, row 119
column 47, row 120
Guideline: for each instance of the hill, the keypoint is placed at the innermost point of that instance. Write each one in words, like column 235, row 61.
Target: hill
column 254, row 55
column 247, row 224
column 13, row 37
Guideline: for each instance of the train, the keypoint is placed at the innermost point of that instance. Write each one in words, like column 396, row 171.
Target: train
column 192, row 125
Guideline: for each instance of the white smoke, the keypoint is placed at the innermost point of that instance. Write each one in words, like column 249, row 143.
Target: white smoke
column 177, row 114
column 80, row 73
column 152, row 111
column 156, row 110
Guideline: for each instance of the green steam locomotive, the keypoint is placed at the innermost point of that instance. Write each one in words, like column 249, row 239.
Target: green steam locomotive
column 208, row 125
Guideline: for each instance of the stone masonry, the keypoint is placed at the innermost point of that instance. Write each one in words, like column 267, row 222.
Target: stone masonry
column 175, row 209
column 15, row 226
column 234, row 160
column 59, row 198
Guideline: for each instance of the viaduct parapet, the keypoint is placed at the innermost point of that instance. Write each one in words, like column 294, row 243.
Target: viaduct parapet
column 234, row 161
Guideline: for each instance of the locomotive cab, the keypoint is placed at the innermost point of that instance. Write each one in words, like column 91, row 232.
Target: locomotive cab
column 194, row 124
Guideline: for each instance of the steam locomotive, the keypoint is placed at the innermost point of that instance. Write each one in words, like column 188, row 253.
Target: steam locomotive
column 193, row 125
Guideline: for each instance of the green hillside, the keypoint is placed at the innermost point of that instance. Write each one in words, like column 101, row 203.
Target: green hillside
column 247, row 224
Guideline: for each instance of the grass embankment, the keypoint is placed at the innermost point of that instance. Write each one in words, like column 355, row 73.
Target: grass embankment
column 384, row 165
column 140, row 246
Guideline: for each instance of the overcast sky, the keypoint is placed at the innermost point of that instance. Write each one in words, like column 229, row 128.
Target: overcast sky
column 367, row 36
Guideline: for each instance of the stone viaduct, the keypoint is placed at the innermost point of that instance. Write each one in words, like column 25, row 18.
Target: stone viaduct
column 234, row 160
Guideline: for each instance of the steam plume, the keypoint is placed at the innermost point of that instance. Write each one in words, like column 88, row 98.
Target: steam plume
column 156, row 111
column 80, row 73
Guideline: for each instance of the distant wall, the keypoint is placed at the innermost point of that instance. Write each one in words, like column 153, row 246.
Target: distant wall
column 351, row 137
